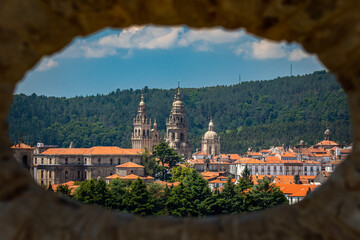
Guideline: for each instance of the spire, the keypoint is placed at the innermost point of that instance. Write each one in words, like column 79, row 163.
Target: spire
column 211, row 125
column 155, row 124
column 142, row 107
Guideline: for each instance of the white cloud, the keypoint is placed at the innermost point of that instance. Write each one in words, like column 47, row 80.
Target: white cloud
column 267, row 50
column 149, row 37
column 143, row 38
column 47, row 64
column 297, row 55
column 211, row 36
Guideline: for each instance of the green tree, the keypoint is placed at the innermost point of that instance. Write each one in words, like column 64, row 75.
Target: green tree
column 166, row 156
column 138, row 199
column 150, row 164
column 179, row 173
column 179, row 202
column 50, row 188
column 93, row 192
column 264, row 195
column 117, row 189
column 245, row 181
column 64, row 190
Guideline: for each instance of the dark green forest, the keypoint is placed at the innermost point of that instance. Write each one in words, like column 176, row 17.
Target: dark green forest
column 256, row 114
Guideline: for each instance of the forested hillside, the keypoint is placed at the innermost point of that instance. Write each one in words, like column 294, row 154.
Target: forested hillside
column 251, row 114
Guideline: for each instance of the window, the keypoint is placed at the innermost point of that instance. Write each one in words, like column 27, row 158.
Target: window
column 35, row 160
column 66, row 160
column 85, row 161
column 78, row 174
column 78, row 160
column 42, row 174
column 111, row 161
column 99, row 161
column 131, row 171
column 66, row 175
column 49, row 174
column 42, row 182
column 42, row 160
column 131, row 159
column 119, row 161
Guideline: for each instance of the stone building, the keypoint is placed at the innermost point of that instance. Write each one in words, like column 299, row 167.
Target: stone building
column 177, row 129
column 210, row 143
column 130, row 168
column 24, row 154
column 59, row 165
column 143, row 136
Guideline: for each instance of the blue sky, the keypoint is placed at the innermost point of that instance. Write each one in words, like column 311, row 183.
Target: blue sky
column 159, row 57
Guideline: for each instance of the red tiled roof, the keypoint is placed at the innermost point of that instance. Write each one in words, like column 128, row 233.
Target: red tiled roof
column 200, row 153
column 129, row 165
column 326, row 143
column 92, row 151
column 21, row 146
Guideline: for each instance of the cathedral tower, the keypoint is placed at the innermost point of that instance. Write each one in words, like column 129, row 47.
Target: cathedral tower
column 176, row 128
column 143, row 136
column 211, row 141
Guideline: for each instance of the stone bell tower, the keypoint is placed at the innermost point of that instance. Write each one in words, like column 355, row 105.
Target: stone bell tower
column 177, row 129
column 142, row 125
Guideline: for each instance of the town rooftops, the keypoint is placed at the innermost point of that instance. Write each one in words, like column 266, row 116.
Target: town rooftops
column 296, row 190
column 327, row 143
column 200, row 154
column 129, row 165
column 112, row 150
column 21, row 146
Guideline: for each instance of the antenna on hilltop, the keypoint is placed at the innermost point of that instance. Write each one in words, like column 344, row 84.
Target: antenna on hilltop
column 178, row 84
column 291, row 70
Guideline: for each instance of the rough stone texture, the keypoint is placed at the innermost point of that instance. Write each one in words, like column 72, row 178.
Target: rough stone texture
column 33, row 28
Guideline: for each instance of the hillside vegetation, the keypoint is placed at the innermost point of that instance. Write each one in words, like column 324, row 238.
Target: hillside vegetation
column 250, row 114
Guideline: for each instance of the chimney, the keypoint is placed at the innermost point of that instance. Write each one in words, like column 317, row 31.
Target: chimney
column 296, row 179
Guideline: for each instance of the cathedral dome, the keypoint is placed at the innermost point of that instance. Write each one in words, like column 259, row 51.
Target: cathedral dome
column 211, row 134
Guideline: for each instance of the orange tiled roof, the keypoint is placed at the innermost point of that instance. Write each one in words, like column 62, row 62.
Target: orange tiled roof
column 287, row 154
column 254, row 154
column 200, row 153
column 334, row 162
column 70, row 185
column 265, row 151
column 113, row 176
column 296, row 190
column 112, row 150
column 21, row 146
column 134, row 177
column 129, row 165
column 325, row 142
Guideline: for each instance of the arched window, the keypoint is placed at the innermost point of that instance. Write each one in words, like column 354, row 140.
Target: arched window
column 25, row 161
column 144, row 132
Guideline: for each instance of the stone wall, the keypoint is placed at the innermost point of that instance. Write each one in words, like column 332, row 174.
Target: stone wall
column 32, row 29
